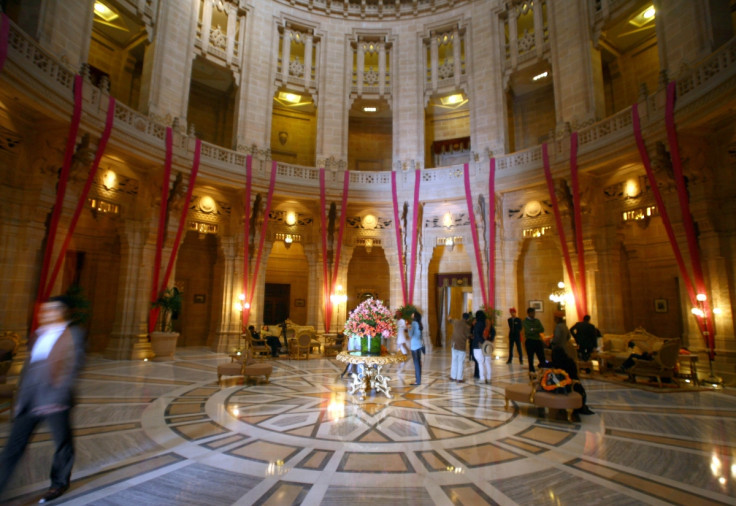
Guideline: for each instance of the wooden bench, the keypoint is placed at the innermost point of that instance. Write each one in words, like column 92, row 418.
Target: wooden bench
column 528, row 393
column 246, row 367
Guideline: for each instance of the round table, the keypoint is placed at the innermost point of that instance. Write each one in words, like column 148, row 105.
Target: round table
column 369, row 371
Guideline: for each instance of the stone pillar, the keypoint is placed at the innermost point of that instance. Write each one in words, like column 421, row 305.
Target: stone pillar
column 485, row 83
column 285, row 55
column 232, row 19
column 572, row 53
column 206, row 26
column 134, row 290
column 538, row 31
column 65, row 30
column 165, row 84
column 333, row 99
column 227, row 336
column 434, row 54
column 408, row 103
column 308, row 60
column 360, row 66
column 513, row 37
column 381, row 68
column 314, row 292
column 456, row 56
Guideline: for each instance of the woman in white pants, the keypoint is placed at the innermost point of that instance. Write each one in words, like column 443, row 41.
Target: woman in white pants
column 484, row 363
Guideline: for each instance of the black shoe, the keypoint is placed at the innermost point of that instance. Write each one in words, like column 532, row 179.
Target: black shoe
column 585, row 410
column 508, row 361
column 52, row 493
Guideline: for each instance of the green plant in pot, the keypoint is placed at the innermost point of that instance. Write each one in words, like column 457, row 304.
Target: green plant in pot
column 163, row 340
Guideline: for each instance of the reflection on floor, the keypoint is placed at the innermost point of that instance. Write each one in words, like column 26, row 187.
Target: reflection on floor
column 166, row 433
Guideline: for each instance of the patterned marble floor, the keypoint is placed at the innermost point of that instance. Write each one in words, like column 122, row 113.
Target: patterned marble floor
column 167, row 433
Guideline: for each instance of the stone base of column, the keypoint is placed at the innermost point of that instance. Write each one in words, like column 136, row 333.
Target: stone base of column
column 225, row 342
column 120, row 347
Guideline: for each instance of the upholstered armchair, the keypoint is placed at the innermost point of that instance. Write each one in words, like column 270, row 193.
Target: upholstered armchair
column 661, row 366
column 334, row 345
column 257, row 346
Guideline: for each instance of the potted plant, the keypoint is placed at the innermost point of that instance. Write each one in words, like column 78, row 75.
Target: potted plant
column 163, row 339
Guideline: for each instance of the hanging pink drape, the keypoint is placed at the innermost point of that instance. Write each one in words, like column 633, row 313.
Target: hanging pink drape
column 474, row 232
column 81, row 203
column 399, row 246
column 560, row 230
column 261, row 241
column 415, row 230
column 687, row 219
column 163, row 209
column 246, row 234
column 71, row 143
column 492, row 232
column 4, row 29
column 329, row 282
column 578, row 216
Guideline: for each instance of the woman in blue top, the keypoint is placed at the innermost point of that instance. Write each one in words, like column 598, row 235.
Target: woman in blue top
column 415, row 335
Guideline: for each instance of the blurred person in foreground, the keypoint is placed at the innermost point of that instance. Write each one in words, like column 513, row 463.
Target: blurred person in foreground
column 45, row 393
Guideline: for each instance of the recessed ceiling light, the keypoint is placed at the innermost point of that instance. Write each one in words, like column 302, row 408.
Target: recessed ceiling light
column 104, row 12
column 539, row 76
column 644, row 16
column 369, row 109
column 292, row 98
column 452, row 99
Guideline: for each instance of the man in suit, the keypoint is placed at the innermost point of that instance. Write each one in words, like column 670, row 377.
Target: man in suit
column 45, row 394
column 514, row 336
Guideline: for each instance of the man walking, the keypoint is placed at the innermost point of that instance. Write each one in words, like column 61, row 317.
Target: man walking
column 45, row 394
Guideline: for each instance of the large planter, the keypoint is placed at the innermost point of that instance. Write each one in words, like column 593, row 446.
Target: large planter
column 164, row 345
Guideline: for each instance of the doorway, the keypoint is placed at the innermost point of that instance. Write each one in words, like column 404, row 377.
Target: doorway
column 276, row 303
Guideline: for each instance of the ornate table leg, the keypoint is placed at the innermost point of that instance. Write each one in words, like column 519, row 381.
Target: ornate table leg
column 380, row 382
column 359, row 381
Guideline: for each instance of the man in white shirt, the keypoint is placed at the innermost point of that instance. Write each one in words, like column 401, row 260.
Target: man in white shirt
column 46, row 394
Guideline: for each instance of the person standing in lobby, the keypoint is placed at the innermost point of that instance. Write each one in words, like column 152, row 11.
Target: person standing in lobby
column 416, row 344
column 46, row 395
column 586, row 335
column 514, row 336
column 460, row 333
column 533, row 329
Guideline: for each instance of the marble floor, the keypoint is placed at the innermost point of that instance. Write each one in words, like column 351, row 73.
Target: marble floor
column 167, row 433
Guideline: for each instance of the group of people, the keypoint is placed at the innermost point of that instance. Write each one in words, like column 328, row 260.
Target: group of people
column 480, row 332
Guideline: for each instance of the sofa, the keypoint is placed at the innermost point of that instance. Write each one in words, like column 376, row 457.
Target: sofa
column 614, row 348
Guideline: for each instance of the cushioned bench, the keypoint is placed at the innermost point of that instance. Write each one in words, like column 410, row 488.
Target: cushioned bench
column 527, row 393
column 248, row 368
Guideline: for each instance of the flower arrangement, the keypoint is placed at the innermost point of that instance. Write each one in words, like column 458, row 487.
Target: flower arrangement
column 406, row 312
column 371, row 318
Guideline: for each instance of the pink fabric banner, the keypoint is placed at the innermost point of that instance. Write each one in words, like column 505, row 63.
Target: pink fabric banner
column 4, row 29
column 660, row 205
column 687, row 219
column 560, row 230
column 163, row 209
column 71, row 143
column 492, row 232
column 81, row 203
column 399, row 247
column 261, row 240
column 326, row 288
column 246, row 235
column 415, row 233
column 474, row 232
column 578, row 216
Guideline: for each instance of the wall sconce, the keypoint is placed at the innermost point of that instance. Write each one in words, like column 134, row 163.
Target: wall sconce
column 447, row 220
column 632, row 189
column 290, row 218
column 109, row 180
column 368, row 246
column 241, row 305
column 288, row 240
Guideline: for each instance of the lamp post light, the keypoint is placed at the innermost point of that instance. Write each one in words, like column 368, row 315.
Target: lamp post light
column 241, row 306
column 559, row 296
column 337, row 298
column 702, row 312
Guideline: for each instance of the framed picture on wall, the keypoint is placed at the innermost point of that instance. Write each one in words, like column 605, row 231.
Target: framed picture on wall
column 200, row 298
column 660, row 306
column 538, row 305
column 299, row 302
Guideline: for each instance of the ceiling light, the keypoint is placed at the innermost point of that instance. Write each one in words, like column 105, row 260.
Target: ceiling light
column 290, row 218
column 292, row 98
column 104, row 12
column 539, row 76
column 369, row 109
column 644, row 16
column 452, row 99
